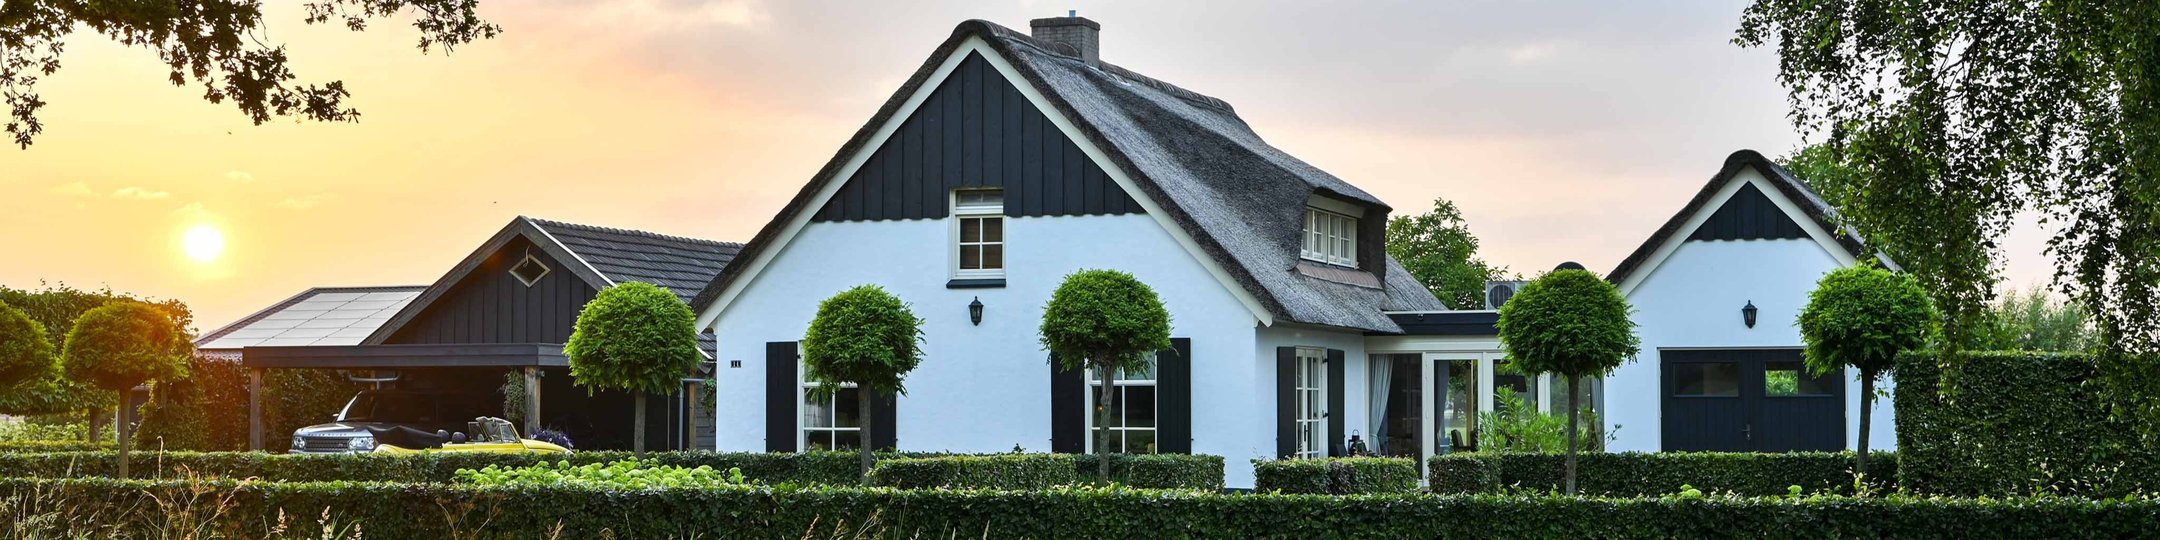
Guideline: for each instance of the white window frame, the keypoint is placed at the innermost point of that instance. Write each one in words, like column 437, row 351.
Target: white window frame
column 1094, row 392
column 1310, row 389
column 803, row 429
column 1328, row 237
column 962, row 213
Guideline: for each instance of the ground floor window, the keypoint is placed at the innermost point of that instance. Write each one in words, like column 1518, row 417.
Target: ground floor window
column 1310, row 388
column 834, row 423
column 1132, row 408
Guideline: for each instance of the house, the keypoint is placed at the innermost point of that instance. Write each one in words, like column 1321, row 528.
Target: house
column 504, row 310
column 1717, row 293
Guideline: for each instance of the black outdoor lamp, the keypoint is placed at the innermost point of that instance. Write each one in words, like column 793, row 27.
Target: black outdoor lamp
column 975, row 312
column 1748, row 312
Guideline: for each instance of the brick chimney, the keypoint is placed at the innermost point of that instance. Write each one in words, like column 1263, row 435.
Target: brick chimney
column 1072, row 30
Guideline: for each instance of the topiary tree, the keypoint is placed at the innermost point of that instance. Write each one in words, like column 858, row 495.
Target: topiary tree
column 122, row 345
column 637, row 337
column 1104, row 320
column 1861, row 317
column 25, row 354
column 1573, row 323
column 867, row 337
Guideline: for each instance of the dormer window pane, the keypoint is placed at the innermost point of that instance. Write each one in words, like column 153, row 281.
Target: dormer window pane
column 1329, row 238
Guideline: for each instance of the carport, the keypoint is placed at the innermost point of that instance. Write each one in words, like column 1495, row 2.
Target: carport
column 528, row 358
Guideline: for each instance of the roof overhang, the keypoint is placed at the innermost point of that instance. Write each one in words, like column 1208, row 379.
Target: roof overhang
column 506, row 355
column 1445, row 323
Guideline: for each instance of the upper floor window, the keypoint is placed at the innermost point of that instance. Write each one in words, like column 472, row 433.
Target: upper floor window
column 1329, row 237
column 980, row 216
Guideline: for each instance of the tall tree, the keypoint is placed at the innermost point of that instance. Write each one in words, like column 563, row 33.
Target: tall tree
column 122, row 345
column 1438, row 249
column 217, row 44
column 2036, row 320
column 1105, row 321
column 866, row 337
column 1959, row 117
column 1573, row 323
column 637, row 337
column 1861, row 317
column 56, row 307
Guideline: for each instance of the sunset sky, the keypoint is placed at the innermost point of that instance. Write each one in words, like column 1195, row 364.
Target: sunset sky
column 1564, row 130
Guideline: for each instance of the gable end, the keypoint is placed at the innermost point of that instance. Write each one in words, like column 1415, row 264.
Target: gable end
column 1748, row 215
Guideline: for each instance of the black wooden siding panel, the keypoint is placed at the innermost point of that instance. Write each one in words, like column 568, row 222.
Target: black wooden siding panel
column 491, row 306
column 976, row 130
column 780, row 396
column 1748, row 215
column 1173, row 399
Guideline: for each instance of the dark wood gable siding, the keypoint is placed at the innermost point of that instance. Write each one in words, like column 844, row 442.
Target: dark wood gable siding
column 1748, row 215
column 492, row 306
column 976, row 130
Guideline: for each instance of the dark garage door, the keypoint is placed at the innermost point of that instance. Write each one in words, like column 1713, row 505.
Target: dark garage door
column 1749, row 400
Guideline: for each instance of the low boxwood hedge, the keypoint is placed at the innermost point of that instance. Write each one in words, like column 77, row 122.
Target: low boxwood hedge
column 1162, row 471
column 1001, row 471
column 1658, row 473
column 1336, row 476
column 99, row 507
column 16, row 447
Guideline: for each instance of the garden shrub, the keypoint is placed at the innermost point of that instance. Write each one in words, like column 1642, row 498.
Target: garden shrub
column 36, row 446
column 1336, row 476
column 384, row 510
column 997, row 471
column 625, row 474
column 1658, row 473
column 1157, row 471
column 2018, row 423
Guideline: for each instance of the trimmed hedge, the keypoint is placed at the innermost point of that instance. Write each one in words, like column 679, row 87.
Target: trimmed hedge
column 14, row 447
column 2018, row 423
column 1336, row 476
column 1002, row 471
column 96, row 507
column 1660, row 473
column 1162, row 471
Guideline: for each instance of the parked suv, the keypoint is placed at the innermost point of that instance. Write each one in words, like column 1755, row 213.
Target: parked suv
column 424, row 411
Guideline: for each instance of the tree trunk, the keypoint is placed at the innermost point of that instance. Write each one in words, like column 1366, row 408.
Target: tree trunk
column 862, row 416
column 1102, row 426
column 638, row 439
column 1867, row 409
column 97, row 425
column 121, row 432
column 1573, row 412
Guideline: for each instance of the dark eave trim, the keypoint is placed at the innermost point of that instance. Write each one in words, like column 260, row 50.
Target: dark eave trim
column 978, row 283
column 406, row 356
column 1445, row 323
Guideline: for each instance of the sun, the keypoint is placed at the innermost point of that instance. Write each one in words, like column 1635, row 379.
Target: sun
column 204, row 243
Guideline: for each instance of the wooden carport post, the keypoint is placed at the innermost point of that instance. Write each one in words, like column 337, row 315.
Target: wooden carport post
column 532, row 400
column 255, row 423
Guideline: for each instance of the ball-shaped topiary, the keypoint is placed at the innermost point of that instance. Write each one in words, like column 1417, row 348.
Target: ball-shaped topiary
column 636, row 337
column 867, row 337
column 1104, row 321
column 1573, row 323
column 1861, row 317
column 123, row 344
column 25, row 354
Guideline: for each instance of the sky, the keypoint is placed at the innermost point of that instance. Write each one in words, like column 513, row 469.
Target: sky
column 1566, row 131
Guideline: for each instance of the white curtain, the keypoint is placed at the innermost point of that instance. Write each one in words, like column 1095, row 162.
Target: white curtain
column 1383, row 378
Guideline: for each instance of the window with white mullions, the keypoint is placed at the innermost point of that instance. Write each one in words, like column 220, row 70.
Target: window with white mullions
column 1132, row 409
column 1310, row 390
column 1329, row 237
column 832, row 423
column 980, row 215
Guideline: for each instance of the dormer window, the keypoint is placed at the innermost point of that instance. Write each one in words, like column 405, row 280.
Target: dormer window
column 1330, row 237
column 979, row 215
column 530, row 270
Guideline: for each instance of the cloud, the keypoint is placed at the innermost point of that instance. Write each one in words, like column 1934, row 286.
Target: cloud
column 303, row 202
column 648, row 15
column 140, row 194
column 239, row 176
column 1532, row 53
column 193, row 212
column 76, row 188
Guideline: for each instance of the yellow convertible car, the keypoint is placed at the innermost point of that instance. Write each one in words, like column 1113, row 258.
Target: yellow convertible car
column 487, row 435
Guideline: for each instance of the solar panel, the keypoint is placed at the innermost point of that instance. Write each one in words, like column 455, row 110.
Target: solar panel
column 323, row 318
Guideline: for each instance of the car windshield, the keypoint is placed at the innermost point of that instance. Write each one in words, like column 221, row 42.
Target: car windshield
column 391, row 407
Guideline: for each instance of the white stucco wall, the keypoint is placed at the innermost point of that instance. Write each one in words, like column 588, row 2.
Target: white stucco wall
column 1693, row 300
column 987, row 388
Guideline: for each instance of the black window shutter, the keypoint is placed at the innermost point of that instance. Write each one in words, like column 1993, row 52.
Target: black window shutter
column 885, row 412
column 1285, row 401
column 1173, row 398
column 1068, row 409
column 781, row 396
column 1335, row 402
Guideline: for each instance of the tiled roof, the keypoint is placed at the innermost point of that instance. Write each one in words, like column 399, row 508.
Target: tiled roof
column 318, row 316
column 683, row 265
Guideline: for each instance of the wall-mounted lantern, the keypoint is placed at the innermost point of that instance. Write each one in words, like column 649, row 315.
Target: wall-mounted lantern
column 975, row 312
column 1748, row 312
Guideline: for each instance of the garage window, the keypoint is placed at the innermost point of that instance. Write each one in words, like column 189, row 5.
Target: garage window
column 1794, row 379
column 1707, row 379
